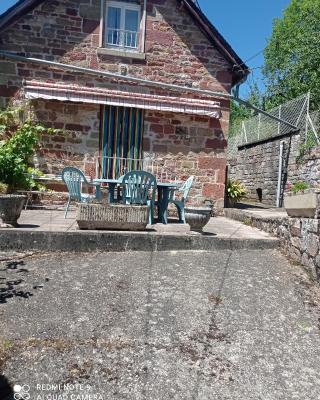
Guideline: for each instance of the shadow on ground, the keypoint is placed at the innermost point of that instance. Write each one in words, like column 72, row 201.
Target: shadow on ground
column 10, row 287
column 6, row 392
column 28, row 226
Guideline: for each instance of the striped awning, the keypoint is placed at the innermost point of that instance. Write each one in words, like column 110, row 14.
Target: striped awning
column 82, row 94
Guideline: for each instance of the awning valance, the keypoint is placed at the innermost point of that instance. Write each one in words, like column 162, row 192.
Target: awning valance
column 82, row 94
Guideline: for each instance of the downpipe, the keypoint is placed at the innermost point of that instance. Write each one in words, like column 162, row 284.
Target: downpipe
column 280, row 171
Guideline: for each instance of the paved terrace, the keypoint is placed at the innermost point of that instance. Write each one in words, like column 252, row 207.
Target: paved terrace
column 227, row 325
column 48, row 230
column 257, row 212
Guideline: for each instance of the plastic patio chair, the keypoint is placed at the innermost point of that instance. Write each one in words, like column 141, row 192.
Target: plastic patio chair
column 74, row 179
column 139, row 187
column 180, row 204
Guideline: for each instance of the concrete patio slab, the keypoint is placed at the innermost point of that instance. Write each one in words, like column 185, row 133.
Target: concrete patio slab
column 258, row 213
column 47, row 230
column 227, row 325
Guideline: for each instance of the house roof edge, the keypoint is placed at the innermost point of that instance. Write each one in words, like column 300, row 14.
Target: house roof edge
column 16, row 11
column 239, row 69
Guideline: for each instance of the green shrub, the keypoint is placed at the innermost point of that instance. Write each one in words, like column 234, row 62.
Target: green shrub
column 306, row 147
column 235, row 190
column 19, row 141
column 3, row 188
column 299, row 187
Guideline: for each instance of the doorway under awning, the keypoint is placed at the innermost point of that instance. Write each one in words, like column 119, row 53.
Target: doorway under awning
column 120, row 141
column 104, row 96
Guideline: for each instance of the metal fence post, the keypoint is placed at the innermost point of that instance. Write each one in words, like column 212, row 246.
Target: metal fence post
column 307, row 116
column 279, row 124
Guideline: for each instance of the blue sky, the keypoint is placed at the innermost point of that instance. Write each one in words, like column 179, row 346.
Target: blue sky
column 246, row 24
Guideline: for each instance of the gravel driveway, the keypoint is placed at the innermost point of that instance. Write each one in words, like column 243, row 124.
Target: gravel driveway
column 167, row 325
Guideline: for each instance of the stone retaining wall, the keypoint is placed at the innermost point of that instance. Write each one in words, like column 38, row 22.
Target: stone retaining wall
column 308, row 169
column 257, row 167
column 299, row 237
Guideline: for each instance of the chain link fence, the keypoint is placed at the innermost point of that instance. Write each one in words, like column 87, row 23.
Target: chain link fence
column 261, row 127
column 313, row 130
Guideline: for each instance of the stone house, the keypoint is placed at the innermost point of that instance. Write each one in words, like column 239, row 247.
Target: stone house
column 118, row 78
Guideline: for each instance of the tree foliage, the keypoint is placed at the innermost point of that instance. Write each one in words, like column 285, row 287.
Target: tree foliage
column 240, row 112
column 292, row 55
column 18, row 143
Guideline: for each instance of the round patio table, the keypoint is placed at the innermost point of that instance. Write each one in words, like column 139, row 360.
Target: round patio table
column 112, row 183
column 163, row 188
column 163, row 200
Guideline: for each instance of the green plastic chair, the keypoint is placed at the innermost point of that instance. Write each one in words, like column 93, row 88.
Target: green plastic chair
column 139, row 187
column 74, row 179
column 184, row 193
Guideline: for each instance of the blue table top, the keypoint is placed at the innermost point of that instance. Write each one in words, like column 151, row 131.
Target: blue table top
column 107, row 181
column 159, row 184
column 168, row 184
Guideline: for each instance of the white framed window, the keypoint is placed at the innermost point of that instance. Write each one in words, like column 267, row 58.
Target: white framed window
column 122, row 25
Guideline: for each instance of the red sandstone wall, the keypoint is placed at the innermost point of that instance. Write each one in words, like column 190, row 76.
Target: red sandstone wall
column 176, row 52
column 194, row 145
column 68, row 31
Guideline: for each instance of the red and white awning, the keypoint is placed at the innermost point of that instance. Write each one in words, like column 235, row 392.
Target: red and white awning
column 82, row 94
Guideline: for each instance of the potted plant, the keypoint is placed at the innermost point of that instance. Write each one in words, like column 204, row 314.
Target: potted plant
column 19, row 139
column 198, row 216
column 302, row 201
column 235, row 192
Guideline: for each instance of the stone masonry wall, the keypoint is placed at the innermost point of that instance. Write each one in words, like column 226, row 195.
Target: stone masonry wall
column 180, row 143
column 307, row 169
column 68, row 31
column 77, row 140
column 194, row 145
column 257, row 167
column 176, row 52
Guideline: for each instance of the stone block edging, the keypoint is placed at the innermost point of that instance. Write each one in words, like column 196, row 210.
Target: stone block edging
column 87, row 241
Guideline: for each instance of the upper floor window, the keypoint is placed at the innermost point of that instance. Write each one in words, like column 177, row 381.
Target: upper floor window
column 123, row 25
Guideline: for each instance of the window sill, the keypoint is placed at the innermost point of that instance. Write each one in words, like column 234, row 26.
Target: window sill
column 121, row 53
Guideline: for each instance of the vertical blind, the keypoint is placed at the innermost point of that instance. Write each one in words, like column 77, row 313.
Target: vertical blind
column 121, row 140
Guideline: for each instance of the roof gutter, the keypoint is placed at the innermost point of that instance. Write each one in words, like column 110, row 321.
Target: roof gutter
column 161, row 85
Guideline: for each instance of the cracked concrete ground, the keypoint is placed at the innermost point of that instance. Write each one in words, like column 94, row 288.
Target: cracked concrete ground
column 167, row 325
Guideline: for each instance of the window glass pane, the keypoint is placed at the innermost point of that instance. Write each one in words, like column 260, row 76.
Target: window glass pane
column 132, row 20
column 113, row 26
column 114, row 16
column 131, row 28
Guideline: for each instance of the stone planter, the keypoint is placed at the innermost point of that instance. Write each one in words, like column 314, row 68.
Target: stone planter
column 197, row 217
column 11, row 206
column 304, row 205
column 112, row 216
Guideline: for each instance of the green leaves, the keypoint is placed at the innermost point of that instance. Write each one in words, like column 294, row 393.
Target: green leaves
column 239, row 113
column 305, row 148
column 20, row 141
column 292, row 56
column 235, row 190
column 299, row 187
